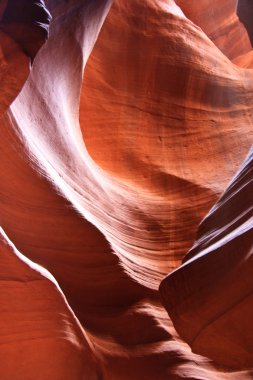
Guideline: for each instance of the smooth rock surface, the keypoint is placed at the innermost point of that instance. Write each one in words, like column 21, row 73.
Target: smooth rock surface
column 209, row 297
column 24, row 28
column 40, row 336
column 131, row 124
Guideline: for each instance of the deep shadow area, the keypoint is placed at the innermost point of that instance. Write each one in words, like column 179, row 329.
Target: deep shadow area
column 244, row 12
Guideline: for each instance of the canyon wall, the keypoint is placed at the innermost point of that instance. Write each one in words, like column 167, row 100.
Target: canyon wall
column 120, row 130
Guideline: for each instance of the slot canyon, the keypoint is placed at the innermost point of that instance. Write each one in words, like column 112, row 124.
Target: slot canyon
column 126, row 177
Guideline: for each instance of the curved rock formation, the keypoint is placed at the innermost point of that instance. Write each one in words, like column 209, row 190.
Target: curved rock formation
column 27, row 23
column 105, row 177
column 171, row 130
column 227, row 24
column 245, row 14
column 40, row 336
column 209, row 298
column 23, row 30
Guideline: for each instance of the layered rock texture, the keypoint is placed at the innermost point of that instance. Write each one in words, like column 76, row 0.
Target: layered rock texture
column 122, row 124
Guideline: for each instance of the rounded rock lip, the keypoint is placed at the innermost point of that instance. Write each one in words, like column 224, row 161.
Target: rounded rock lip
column 27, row 23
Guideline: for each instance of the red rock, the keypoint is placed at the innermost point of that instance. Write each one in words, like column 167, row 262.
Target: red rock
column 23, row 30
column 209, row 297
column 220, row 21
column 110, row 173
column 40, row 336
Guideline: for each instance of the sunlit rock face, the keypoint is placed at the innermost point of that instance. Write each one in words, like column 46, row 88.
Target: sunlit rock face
column 132, row 120
column 228, row 24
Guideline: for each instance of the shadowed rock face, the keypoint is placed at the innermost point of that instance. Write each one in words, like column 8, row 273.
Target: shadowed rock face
column 245, row 14
column 134, row 118
column 3, row 5
column 23, row 30
column 39, row 330
column 27, row 22
column 210, row 296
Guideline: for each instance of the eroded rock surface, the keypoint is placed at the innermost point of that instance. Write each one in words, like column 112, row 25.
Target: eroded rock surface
column 24, row 27
column 209, row 297
column 40, row 336
column 133, row 120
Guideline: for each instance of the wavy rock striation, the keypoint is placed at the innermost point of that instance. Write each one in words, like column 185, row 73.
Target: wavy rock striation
column 40, row 336
column 227, row 24
column 120, row 141
column 209, row 298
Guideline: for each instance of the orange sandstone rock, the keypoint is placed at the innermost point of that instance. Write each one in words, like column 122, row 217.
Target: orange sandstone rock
column 117, row 146
column 209, row 297
column 23, row 29
column 40, row 337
